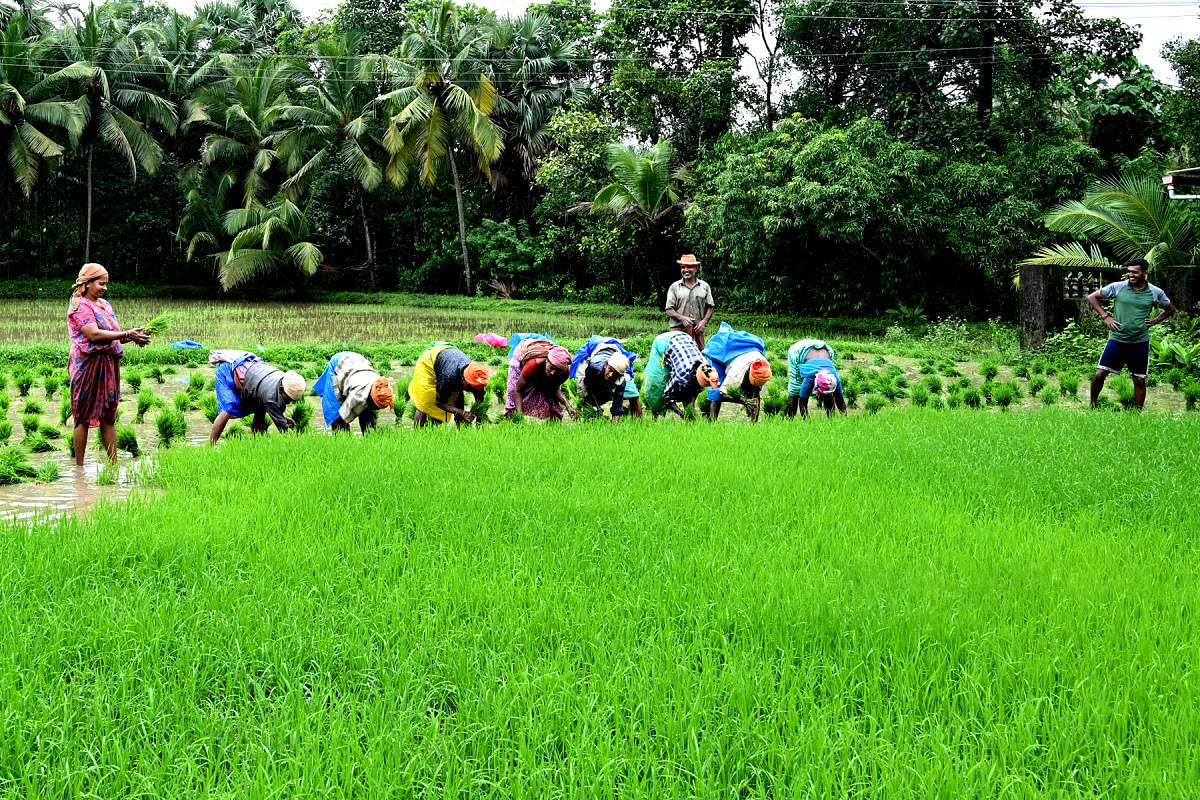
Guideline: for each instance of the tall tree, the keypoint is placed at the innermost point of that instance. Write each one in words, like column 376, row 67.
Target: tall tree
column 646, row 192
column 335, row 121
column 101, row 50
column 444, row 104
column 29, row 115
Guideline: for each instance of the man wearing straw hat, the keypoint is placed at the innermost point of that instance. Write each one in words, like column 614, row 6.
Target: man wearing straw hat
column 690, row 301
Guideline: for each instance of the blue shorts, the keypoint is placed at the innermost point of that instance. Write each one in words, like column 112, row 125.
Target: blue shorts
column 1118, row 355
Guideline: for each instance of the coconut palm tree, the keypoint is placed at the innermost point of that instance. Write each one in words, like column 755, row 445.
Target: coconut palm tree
column 334, row 121
column 646, row 194
column 101, row 49
column 444, row 104
column 1123, row 218
column 265, row 240
column 29, row 114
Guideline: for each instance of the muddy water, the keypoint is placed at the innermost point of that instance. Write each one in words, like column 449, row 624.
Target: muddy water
column 76, row 490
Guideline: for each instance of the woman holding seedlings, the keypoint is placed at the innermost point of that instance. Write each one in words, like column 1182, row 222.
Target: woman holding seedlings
column 94, row 365
column 810, row 366
column 249, row 386
column 603, row 370
column 350, row 389
column 742, row 367
column 442, row 375
column 675, row 373
column 536, row 374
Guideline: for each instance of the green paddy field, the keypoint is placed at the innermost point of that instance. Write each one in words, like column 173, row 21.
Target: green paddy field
column 909, row 604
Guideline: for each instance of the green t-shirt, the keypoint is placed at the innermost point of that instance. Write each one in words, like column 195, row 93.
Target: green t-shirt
column 1131, row 308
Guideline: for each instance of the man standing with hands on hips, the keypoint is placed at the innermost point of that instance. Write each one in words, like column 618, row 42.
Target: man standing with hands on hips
column 690, row 301
column 1129, row 326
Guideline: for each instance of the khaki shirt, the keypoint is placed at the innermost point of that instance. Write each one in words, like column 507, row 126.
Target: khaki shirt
column 691, row 302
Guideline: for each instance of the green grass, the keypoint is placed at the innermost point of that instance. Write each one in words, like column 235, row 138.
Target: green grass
column 953, row 609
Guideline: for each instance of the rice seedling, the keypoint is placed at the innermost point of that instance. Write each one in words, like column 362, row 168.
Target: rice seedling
column 971, row 397
column 208, row 405
column 949, row 369
column 6, row 430
column 1037, row 382
column 1004, row 395
column 933, row 383
column 210, row 384
column 195, row 384
column 24, row 382
column 1037, row 366
column 157, row 373
column 1122, row 387
column 1021, row 371
column 30, row 423
column 1049, row 396
column 935, row 402
column 874, row 403
column 927, row 367
column 302, row 415
column 37, row 443
column 171, row 425
column 160, row 324
column 170, row 369
column 498, row 385
column 32, row 407
column 134, row 378
column 64, row 411
column 1176, row 377
column 920, row 395
column 776, row 404
column 44, row 370
column 51, row 383
column 145, row 401
column 5, row 401
column 107, row 476
column 589, row 413
column 14, row 466
column 955, row 398
column 48, row 472
column 3, row 381
column 1068, row 384
column 49, row 431
column 182, row 401
column 127, row 440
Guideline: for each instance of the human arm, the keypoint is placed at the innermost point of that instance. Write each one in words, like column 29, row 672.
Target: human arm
column 339, row 424
column 702, row 323
column 1167, row 313
column 94, row 333
column 1093, row 300
column 459, row 413
column 219, row 427
column 562, row 399
column 673, row 406
column 275, row 408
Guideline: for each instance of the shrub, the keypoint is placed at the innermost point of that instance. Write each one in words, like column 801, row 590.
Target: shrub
column 127, row 440
column 873, row 404
column 1036, row 383
column 920, row 395
column 171, row 425
column 1191, row 394
column 145, row 401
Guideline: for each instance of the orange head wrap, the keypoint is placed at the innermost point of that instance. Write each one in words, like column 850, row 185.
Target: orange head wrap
column 87, row 274
column 476, row 375
column 760, row 372
column 706, row 375
column 381, row 393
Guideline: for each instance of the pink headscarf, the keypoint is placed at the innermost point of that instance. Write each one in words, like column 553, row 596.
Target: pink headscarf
column 88, row 273
column 560, row 357
column 826, row 382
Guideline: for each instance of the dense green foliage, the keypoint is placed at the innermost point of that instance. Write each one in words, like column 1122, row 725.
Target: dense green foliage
column 942, row 602
column 820, row 157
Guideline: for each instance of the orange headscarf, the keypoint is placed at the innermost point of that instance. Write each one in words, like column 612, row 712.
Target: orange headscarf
column 760, row 372
column 381, row 393
column 87, row 274
column 476, row 375
column 706, row 376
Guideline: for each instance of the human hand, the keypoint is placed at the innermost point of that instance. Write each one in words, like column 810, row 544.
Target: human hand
column 467, row 416
column 1112, row 323
column 138, row 336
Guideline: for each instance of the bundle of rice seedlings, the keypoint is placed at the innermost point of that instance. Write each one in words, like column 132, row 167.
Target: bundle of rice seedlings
column 920, row 395
column 107, row 475
column 935, row 402
column 30, row 424
column 208, row 404
column 589, row 413
column 14, row 466
column 160, row 324
column 156, row 372
column 1049, row 396
column 195, row 384
column 49, row 431
column 182, row 401
column 37, row 443
column 32, row 407
column 48, row 472
column 127, row 440
column 171, row 425
column 6, row 429
column 774, row 405
column 498, row 385
column 145, row 401
column 1037, row 382
column 24, row 382
column 5, row 401
column 1191, row 395
column 988, row 370
column 134, row 378
column 1123, row 388
column 170, row 369
column 874, row 404
column 302, row 416
column 51, row 383
column 1003, row 395
column 3, row 380
column 971, row 397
